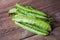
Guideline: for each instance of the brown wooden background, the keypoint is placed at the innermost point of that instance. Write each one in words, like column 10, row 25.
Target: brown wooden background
column 10, row 31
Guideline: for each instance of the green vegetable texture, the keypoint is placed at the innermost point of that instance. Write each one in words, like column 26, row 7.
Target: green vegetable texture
column 32, row 14
column 32, row 28
column 35, row 11
column 29, row 7
column 20, row 11
column 31, row 19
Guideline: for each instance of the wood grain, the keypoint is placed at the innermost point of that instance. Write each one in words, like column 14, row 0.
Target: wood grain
column 10, row 31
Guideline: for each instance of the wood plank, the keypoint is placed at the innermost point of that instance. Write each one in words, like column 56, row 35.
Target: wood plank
column 10, row 31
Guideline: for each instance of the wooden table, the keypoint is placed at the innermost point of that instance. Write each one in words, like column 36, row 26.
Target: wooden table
column 10, row 31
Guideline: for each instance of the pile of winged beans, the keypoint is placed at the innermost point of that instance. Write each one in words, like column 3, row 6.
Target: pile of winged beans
column 31, row 19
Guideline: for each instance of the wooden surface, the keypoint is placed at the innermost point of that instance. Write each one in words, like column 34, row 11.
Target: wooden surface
column 10, row 31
